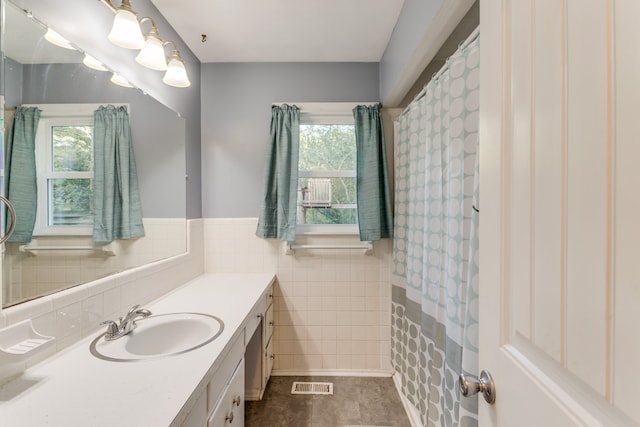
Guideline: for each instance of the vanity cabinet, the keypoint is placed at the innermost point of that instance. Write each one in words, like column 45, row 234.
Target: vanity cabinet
column 242, row 375
column 224, row 393
column 230, row 408
column 259, row 354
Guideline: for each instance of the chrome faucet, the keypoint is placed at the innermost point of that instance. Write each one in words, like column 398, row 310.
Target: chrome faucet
column 126, row 324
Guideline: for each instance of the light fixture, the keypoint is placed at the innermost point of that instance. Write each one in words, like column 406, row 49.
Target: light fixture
column 126, row 33
column 152, row 54
column 176, row 74
column 126, row 29
column 92, row 62
column 117, row 79
column 56, row 39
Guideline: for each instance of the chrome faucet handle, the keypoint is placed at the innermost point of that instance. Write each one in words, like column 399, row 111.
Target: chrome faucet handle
column 112, row 329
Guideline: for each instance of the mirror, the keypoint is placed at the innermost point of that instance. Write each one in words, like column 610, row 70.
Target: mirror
column 38, row 73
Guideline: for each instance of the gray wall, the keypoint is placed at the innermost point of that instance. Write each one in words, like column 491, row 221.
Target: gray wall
column 236, row 112
column 157, row 132
column 87, row 22
column 12, row 82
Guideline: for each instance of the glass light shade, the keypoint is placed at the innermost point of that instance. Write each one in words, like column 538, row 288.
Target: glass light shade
column 117, row 79
column 126, row 30
column 152, row 54
column 176, row 74
column 92, row 62
column 56, row 39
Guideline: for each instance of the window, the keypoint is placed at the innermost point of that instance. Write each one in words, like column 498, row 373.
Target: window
column 64, row 162
column 327, row 170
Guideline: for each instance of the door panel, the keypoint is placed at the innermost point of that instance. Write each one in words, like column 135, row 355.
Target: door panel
column 626, row 266
column 560, row 189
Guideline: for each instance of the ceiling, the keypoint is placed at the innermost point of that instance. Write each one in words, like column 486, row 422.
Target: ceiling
column 283, row 30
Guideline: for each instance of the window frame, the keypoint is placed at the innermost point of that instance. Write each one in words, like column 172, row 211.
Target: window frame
column 327, row 113
column 57, row 115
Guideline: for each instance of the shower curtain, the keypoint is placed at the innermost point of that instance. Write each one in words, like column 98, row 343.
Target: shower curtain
column 434, row 334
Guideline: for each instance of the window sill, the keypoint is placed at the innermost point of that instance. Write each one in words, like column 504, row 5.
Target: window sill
column 327, row 230
column 53, row 231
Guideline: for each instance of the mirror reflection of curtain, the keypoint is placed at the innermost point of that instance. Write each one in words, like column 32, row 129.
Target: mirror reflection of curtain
column 20, row 172
column 117, row 206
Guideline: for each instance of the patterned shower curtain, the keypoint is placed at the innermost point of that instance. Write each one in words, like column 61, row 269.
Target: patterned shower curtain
column 434, row 333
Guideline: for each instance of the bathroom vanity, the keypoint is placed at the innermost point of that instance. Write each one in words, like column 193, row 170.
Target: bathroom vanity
column 202, row 387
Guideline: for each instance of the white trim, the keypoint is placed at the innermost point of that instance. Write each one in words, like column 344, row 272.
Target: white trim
column 412, row 412
column 327, row 174
column 65, row 110
column 322, row 113
column 332, row 373
column 328, row 108
column 327, row 113
column 57, row 114
column 442, row 25
column 327, row 229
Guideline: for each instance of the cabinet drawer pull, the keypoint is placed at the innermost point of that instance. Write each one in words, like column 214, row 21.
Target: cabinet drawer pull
column 229, row 418
column 237, row 401
column 273, row 356
column 271, row 323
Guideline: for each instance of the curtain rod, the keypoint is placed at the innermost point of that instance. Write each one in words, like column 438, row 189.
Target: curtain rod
column 463, row 45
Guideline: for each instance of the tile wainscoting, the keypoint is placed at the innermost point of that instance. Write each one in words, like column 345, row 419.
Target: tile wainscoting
column 332, row 307
column 31, row 276
column 75, row 313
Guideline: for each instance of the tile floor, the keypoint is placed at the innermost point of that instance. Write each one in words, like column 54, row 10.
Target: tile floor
column 356, row 401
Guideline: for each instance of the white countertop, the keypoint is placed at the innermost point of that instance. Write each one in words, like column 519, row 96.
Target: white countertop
column 74, row 388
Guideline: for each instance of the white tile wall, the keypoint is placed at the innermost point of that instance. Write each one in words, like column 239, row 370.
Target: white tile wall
column 32, row 276
column 331, row 306
column 74, row 313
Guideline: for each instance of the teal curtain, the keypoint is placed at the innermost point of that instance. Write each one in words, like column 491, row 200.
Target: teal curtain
column 279, row 205
column 117, row 207
column 20, row 172
column 372, row 188
column 435, row 271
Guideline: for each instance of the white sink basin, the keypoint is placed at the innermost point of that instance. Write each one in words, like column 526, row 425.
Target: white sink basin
column 159, row 336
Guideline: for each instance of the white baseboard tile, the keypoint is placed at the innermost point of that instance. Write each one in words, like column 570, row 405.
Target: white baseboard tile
column 331, row 373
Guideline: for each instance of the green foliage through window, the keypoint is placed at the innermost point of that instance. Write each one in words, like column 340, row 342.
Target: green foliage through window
column 327, row 153
column 70, row 191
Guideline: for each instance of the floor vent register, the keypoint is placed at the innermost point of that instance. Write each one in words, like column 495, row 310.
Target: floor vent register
column 311, row 388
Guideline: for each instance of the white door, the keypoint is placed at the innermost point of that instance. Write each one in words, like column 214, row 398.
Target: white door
column 560, row 211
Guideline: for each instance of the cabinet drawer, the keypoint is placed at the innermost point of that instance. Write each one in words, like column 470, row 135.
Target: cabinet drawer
column 253, row 322
column 270, row 357
column 268, row 296
column 221, row 378
column 268, row 331
column 230, row 409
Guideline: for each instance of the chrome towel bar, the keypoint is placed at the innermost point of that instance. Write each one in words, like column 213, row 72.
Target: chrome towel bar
column 367, row 247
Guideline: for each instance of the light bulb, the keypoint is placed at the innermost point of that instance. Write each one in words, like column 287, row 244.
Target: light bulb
column 126, row 31
column 176, row 74
column 152, row 54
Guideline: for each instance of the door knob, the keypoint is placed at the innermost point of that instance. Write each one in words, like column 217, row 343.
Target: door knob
column 470, row 385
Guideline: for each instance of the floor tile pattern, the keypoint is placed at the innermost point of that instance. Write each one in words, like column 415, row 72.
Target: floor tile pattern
column 356, row 401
